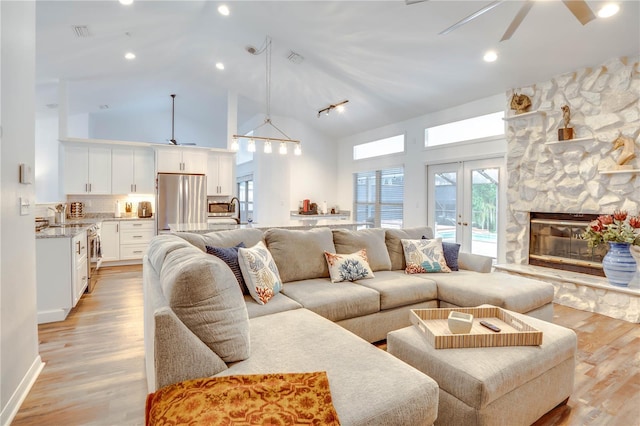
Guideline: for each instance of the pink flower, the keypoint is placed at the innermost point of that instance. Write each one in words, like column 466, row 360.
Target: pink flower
column 596, row 226
column 620, row 215
column 606, row 219
column 634, row 221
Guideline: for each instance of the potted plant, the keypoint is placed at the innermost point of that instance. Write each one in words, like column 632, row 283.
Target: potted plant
column 621, row 231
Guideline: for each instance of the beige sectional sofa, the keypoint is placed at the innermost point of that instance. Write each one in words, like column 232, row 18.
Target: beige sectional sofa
column 198, row 323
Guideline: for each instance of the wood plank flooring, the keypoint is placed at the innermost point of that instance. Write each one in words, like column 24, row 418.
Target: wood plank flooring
column 94, row 373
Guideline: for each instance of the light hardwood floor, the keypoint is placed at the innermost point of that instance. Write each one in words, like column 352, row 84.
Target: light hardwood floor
column 94, row 373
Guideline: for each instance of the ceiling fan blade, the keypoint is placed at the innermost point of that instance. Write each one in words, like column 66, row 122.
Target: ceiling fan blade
column 580, row 10
column 410, row 2
column 526, row 7
column 471, row 17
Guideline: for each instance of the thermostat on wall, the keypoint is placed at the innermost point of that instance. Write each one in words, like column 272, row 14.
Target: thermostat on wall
column 26, row 174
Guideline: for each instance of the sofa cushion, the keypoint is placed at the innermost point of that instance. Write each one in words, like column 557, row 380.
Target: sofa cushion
column 394, row 246
column 451, row 253
column 260, row 272
column 468, row 288
column 204, row 294
column 226, row 238
column 399, row 289
column 279, row 303
column 348, row 267
column 299, row 254
column 229, row 255
column 424, row 256
column 160, row 246
column 334, row 301
column 372, row 240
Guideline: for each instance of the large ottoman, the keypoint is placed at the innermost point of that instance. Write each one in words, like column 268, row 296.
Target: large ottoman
column 509, row 385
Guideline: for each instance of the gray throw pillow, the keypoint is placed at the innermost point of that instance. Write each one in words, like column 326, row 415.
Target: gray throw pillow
column 229, row 255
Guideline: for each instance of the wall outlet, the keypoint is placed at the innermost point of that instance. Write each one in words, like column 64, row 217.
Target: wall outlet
column 24, row 206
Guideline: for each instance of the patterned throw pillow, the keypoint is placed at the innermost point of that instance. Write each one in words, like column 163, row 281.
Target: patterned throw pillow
column 260, row 272
column 451, row 252
column 348, row 267
column 424, row 256
column 230, row 256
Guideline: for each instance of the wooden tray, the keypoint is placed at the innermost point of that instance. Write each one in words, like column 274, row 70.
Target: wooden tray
column 515, row 332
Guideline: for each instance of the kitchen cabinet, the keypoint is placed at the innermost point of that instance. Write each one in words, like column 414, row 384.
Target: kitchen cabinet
column 110, row 241
column 87, row 170
column 220, row 174
column 181, row 160
column 125, row 240
column 132, row 171
column 61, row 275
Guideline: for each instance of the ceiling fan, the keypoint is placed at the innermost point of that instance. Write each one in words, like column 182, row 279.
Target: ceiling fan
column 579, row 8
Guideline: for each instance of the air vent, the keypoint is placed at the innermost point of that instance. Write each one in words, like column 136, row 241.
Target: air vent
column 81, row 31
column 294, row 57
column 52, row 106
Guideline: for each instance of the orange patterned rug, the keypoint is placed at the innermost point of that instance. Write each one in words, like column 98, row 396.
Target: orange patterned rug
column 260, row 399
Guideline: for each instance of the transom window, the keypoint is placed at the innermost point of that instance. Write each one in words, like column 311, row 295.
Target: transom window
column 483, row 126
column 380, row 147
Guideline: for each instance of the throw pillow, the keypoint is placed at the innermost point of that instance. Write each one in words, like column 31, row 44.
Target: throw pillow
column 451, row 252
column 424, row 256
column 260, row 272
column 348, row 267
column 230, row 256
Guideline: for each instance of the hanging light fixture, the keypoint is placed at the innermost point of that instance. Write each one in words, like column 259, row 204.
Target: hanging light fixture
column 338, row 107
column 267, row 121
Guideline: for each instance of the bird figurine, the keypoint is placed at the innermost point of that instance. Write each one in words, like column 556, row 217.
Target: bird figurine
column 520, row 103
column 566, row 115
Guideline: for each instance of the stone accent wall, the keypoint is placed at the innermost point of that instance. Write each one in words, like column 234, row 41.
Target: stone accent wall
column 564, row 177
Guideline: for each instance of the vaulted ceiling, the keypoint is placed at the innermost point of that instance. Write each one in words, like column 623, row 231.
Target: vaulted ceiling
column 385, row 57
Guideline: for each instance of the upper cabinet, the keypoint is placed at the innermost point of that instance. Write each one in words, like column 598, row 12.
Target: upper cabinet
column 220, row 174
column 181, row 160
column 132, row 171
column 87, row 170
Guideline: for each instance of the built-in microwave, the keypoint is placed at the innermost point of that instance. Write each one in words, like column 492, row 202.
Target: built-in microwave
column 221, row 209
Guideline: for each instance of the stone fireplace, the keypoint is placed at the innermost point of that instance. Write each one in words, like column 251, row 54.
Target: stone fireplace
column 574, row 176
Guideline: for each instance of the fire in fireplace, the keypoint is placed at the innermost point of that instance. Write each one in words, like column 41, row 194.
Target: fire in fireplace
column 556, row 242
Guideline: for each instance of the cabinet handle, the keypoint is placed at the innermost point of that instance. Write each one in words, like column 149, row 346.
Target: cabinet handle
column 117, row 227
column 135, row 187
column 86, row 187
column 137, row 236
column 136, row 224
column 89, row 187
column 78, row 243
column 137, row 251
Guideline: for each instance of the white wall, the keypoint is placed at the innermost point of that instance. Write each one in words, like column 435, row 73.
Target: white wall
column 416, row 156
column 19, row 359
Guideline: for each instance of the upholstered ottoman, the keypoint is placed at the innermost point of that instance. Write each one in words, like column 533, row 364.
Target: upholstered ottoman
column 509, row 385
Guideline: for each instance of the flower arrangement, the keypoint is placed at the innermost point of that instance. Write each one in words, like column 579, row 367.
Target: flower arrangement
column 619, row 227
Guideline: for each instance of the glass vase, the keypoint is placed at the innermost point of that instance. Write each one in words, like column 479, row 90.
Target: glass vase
column 618, row 264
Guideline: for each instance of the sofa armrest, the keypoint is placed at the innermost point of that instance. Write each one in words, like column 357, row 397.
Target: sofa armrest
column 475, row 262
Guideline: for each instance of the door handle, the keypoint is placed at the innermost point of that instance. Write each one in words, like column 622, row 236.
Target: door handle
column 465, row 223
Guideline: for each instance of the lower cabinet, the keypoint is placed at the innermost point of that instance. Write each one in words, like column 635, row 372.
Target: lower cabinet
column 61, row 275
column 125, row 240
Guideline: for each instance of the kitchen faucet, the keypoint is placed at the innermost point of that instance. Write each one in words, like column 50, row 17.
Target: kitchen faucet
column 237, row 219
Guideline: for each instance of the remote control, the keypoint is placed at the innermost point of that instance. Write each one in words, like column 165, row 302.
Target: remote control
column 490, row 326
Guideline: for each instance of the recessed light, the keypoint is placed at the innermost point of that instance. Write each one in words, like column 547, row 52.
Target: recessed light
column 129, row 55
column 608, row 10
column 220, row 65
column 223, row 9
column 126, row 2
column 490, row 56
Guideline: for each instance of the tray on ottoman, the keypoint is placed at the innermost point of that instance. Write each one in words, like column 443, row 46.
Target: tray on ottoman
column 514, row 332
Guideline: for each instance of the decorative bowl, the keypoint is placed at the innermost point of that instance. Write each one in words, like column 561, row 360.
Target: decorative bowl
column 460, row 323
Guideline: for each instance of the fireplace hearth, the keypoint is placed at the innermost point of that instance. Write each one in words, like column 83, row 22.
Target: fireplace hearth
column 556, row 242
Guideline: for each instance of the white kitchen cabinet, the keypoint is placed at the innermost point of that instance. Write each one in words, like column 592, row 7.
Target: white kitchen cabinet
column 87, row 170
column 125, row 240
column 110, row 240
column 132, row 171
column 220, row 174
column 181, row 160
column 61, row 275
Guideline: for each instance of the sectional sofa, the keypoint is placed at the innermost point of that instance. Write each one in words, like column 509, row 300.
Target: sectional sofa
column 198, row 323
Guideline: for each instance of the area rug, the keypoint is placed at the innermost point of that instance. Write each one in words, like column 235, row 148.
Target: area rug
column 260, row 399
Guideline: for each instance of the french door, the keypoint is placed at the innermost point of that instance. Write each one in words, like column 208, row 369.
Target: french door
column 464, row 203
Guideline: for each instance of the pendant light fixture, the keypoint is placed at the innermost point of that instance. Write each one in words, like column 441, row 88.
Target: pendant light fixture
column 251, row 147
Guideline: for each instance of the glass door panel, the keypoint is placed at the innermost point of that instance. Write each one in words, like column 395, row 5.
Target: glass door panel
column 484, row 211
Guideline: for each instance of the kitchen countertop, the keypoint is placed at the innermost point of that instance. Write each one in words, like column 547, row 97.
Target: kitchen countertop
column 83, row 224
column 62, row 232
column 202, row 228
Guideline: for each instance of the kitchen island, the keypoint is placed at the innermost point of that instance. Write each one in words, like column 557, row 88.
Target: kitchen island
column 203, row 228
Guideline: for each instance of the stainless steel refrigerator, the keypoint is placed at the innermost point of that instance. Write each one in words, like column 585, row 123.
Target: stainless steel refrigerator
column 181, row 199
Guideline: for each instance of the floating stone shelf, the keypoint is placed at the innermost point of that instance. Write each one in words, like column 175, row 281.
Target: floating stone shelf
column 588, row 139
column 617, row 172
column 525, row 115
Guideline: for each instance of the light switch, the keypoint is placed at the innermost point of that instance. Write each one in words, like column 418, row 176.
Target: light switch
column 24, row 206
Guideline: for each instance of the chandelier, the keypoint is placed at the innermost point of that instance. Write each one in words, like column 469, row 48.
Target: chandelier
column 285, row 139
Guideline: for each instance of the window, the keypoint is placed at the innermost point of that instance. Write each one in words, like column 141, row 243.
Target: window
column 245, row 195
column 386, row 146
column 379, row 197
column 472, row 128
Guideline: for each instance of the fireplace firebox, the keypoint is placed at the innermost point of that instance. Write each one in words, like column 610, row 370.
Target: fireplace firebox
column 556, row 242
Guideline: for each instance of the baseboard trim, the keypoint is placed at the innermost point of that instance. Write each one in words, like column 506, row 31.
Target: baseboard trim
column 11, row 409
column 52, row 315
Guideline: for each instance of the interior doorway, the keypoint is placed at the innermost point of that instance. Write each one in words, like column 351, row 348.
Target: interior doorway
column 464, row 204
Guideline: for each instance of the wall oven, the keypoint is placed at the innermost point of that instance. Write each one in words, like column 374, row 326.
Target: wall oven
column 94, row 255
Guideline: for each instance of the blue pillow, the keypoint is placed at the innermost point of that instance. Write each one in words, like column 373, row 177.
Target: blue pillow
column 229, row 255
column 451, row 251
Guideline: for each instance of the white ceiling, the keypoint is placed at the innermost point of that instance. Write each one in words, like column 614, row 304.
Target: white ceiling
column 385, row 57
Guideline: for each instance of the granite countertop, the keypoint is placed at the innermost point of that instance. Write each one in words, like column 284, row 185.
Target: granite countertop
column 202, row 228
column 63, row 232
column 80, row 225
